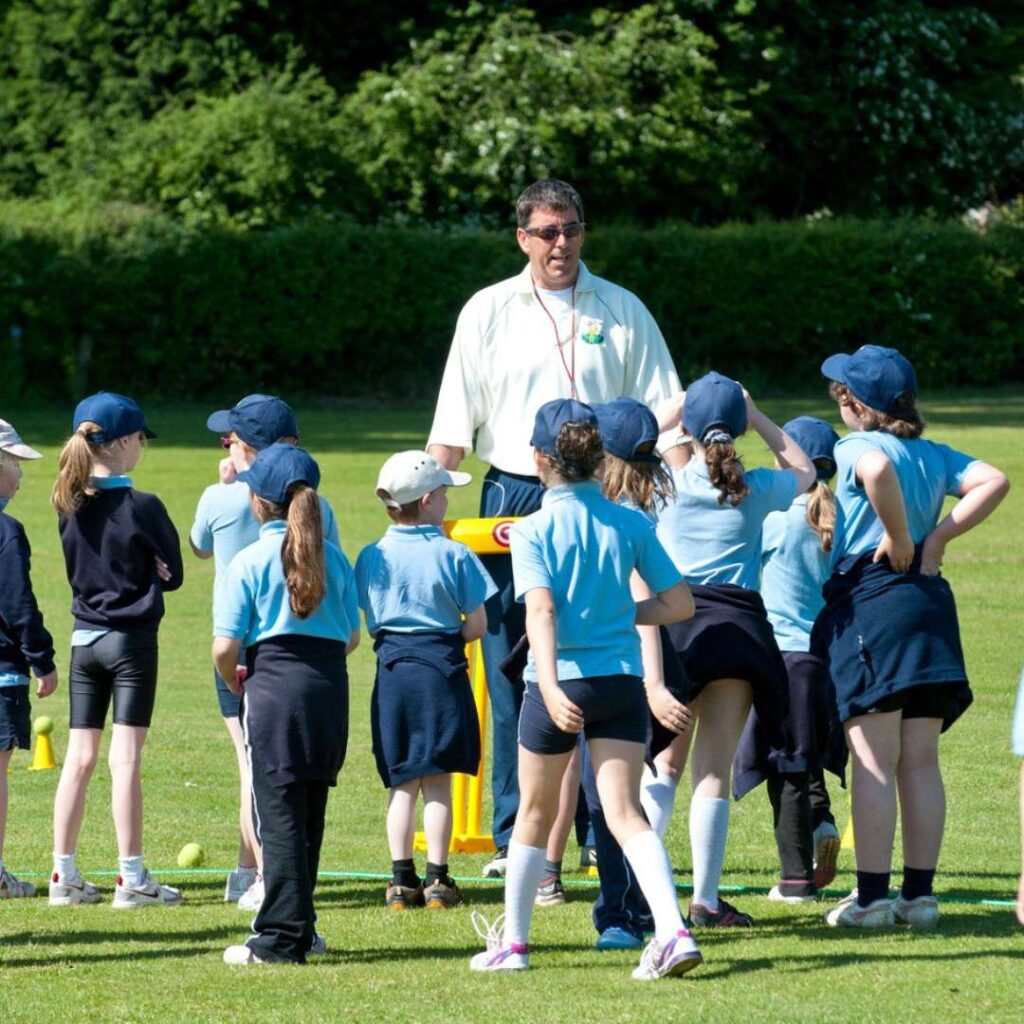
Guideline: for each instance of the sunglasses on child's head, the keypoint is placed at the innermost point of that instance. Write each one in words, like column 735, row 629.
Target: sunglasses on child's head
column 227, row 441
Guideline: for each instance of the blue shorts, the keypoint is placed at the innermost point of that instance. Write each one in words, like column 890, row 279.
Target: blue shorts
column 15, row 723
column 229, row 702
column 614, row 708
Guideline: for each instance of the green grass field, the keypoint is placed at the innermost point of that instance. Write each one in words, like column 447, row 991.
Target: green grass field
column 91, row 963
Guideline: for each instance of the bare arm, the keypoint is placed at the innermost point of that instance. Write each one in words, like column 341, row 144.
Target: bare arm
column 448, row 456
column 876, row 474
column 983, row 488
column 353, row 641
column 789, row 454
column 225, row 660
column 672, row 605
column 198, row 552
column 475, row 625
column 540, row 628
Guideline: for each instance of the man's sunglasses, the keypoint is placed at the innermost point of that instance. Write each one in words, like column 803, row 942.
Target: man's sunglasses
column 551, row 233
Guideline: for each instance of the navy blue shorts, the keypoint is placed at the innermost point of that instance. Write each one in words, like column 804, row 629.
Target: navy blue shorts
column 119, row 666
column 229, row 702
column 15, row 724
column 938, row 700
column 614, row 708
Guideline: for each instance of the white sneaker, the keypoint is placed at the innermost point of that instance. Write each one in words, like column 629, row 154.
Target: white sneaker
column 150, row 893
column 495, row 867
column 497, row 956
column 826, row 852
column 848, row 913
column 238, row 883
column 679, row 955
column 12, row 889
column 240, row 956
column 252, row 898
column 776, row 895
column 922, row 912
column 72, row 891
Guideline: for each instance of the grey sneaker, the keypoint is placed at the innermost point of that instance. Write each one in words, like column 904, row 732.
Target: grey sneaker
column 238, row 883
column 922, row 912
column 550, row 892
column 150, row 893
column 679, row 955
column 72, row 891
column 12, row 889
column 318, row 946
column 826, row 853
column 495, row 867
column 441, row 896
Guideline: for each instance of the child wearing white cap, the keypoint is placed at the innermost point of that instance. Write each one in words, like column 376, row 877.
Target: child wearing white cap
column 24, row 642
column 423, row 596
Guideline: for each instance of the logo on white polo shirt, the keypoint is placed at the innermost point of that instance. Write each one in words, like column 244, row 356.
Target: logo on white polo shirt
column 591, row 331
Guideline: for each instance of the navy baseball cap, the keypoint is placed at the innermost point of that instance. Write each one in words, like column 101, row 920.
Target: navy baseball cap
column 259, row 420
column 629, row 430
column 550, row 418
column 877, row 376
column 817, row 439
column 714, row 401
column 116, row 415
column 278, row 467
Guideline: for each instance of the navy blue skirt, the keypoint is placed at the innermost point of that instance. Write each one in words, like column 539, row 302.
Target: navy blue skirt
column 295, row 708
column 730, row 637
column 422, row 714
column 883, row 632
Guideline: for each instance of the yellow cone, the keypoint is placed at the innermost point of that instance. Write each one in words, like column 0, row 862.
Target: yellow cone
column 42, row 759
column 847, row 843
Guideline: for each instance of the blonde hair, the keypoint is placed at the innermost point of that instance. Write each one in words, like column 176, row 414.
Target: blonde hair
column 302, row 553
column 821, row 514
column 74, row 467
column 641, row 484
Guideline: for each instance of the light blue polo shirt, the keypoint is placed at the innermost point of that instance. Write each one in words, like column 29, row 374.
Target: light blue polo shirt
column 415, row 580
column 1018, row 721
column 793, row 570
column 224, row 524
column 583, row 548
column 716, row 543
column 926, row 471
column 255, row 604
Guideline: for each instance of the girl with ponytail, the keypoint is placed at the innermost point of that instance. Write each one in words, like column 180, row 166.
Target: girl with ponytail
column 290, row 601
column 712, row 529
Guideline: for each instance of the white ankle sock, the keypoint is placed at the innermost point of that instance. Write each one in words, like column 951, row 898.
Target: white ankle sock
column 709, row 830
column 658, row 797
column 650, row 864
column 132, row 871
column 64, row 866
column 523, row 872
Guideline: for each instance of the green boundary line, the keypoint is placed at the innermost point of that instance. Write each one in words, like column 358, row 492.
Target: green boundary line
column 573, row 883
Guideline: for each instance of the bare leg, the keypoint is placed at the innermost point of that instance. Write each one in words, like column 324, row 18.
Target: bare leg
column 1020, row 884
column 874, row 742
column 401, row 819
column 437, row 817
column 922, row 796
column 566, row 818
column 69, row 802
column 249, row 852
column 125, row 761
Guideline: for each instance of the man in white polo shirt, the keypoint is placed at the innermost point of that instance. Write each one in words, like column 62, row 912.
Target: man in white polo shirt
column 553, row 331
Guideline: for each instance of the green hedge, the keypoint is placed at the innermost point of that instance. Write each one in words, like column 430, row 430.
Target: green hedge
column 130, row 301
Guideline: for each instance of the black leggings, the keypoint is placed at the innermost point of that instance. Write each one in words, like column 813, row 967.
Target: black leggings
column 121, row 665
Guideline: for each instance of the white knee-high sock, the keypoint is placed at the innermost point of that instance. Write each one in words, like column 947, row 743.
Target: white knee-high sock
column 709, row 830
column 658, row 797
column 650, row 864
column 523, row 872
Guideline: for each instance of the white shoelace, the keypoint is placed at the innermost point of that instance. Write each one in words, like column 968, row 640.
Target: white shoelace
column 492, row 932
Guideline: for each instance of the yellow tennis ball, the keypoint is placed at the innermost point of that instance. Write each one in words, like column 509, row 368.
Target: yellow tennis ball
column 191, row 856
column 43, row 725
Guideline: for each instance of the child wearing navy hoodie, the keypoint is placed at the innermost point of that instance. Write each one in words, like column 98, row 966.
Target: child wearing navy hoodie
column 24, row 642
column 121, row 552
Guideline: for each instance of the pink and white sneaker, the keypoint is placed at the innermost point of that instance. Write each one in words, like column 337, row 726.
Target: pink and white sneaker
column 679, row 955
column 498, row 956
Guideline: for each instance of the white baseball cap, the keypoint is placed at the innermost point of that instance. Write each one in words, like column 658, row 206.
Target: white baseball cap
column 407, row 476
column 10, row 441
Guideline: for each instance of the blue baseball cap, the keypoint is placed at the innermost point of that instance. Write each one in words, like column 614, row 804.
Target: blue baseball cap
column 116, row 415
column 550, row 418
column 629, row 430
column 714, row 401
column 817, row 439
column 259, row 420
column 277, row 468
column 877, row 376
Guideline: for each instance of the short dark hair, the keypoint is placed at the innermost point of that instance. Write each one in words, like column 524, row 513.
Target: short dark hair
column 549, row 192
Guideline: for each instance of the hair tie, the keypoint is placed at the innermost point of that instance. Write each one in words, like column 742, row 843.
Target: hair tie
column 94, row 437
column 716, row 436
